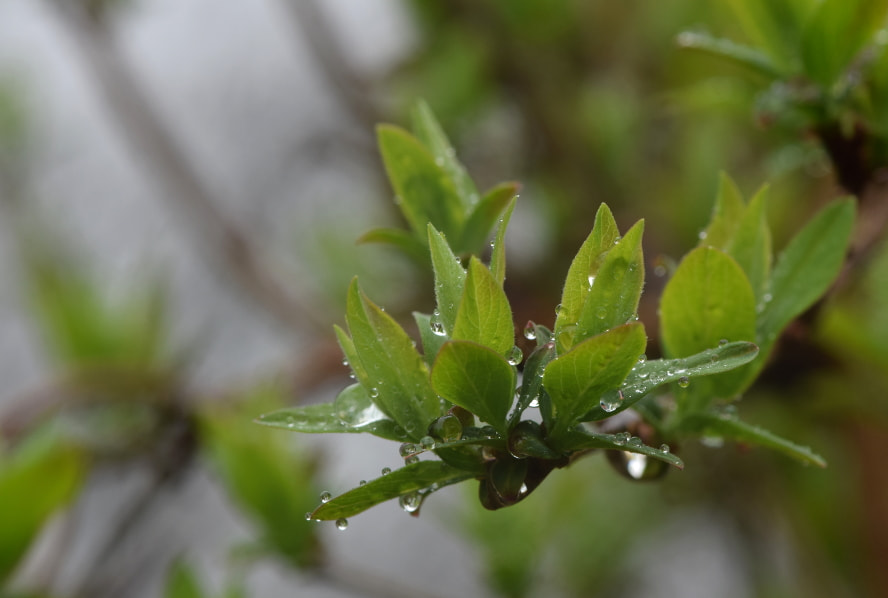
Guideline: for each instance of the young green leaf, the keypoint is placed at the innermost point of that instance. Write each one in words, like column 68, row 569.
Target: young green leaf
column 708, row 299
column 484, row 315
column 616, row 289
column 426, row 193
column 585, row 265
column 730, row 427
column 580, row 439
column 532, row 381
column 726, row 214
column 576, row 380
column 807, row 266
column 750, row 58
column 449, row 279
column 431, row 341
column 649, row 374
column 429, row 131
column 394, row 374
column 475, row 378
column 498, row 254
column 401, row 482
column 751, row 243
column 483, row 216
column 400, row 239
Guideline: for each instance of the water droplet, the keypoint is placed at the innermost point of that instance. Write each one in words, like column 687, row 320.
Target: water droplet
column 515, row 356
column 611, row 400
column 308, row 516
column 530, row 332
column 326, row 496
column 601, row 313
column 636, row 464
column 635, row 441
column 362, row 482
column 723, row 342
column 488, row 432
column 345, row 362
column 436, row 324
column 591, row 280
column 374, row 392
column 342, row 524
column 664, row 448
column 621, row 438
column 411, row 460
column 617, row 239
column 702, row 235
column 407, row 449
column 642, row 358
column 410, row 503
column 684, row 382
column 558, row 309
column 427, row 443
column 386, row 470
column 534, row 403
column 351, row 375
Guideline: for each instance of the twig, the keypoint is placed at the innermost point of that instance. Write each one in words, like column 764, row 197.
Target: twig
column 157, row 146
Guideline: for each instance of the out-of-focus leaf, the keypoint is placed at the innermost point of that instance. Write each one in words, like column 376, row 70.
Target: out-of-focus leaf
column 751, row 243
column 484, row 315
column 585, row 265
column 426, row 194
column 483, row 217
column 401, row 482
column 745, row 56
column 400, row 239
column 449, row 279
column 35, row 482
column 396, row 378
column 730, row 427
column 475, row 378
column 775, row 26
column 576, row 380
column 616, row 288
column 726, row 214
column 498, row 254
column 182, row 583
column 806, row 268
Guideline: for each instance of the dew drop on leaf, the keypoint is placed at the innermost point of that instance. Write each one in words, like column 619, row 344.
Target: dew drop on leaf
column 386, row 470
column 515, row 356
column 447, row 427
column 427, row 443
column 723, row 342
column 374, row 392
column 342, row 524
column 530, row 332
column 684, row 382
column 664, row 448
column 611, row 400
column 410, row 503
column 326, row 496
column 407, row 449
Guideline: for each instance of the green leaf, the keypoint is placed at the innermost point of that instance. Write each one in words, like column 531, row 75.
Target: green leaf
column 483, row 216
column 652, row 373
column 532, row 380
column 616, row 290
column 580, row 438
column 728, row 426
column 426, row 193
column 391, row 369
column 449, row 278
column 726, row 214
column 576, row 380
column 353, row 412
column 400, row 239
column 576, row 285
column 751, row 243
column 401, row 482
column 807, row 267
column 431, row 342
column 475, row 378
column 429, row 131
column 708, row 299
column 39, row 479
column 775, row 26
column 182, row 583
column 498, row 254
column 484, row 315
column 742, row 55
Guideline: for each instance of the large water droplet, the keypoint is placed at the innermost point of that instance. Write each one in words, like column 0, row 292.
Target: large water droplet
column 427, row 443
column 684, row 382
column 407, row 449
column 530, row 332
column 326, row 496
column 342, row 524
column 410, row 502
column 515, row 356
column 611, row 400
column 447, row 427
column 436, row 324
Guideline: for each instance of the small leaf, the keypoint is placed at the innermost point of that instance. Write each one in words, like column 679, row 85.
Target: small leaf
column 392, row 370
column 751, row 243
column 652, row 373
column 726, row 214
column 484, row 315
column 532, row 380
column 807, row 267
column 498, row 254
column 429, row 131
column 475, row 378
column 586, row 263
column 409, row 479
column 576, row 380
column 616, row 288
column 580, row 438
column 431, row 342
column 483, row 217
column 449, row 279
column 733, row 428
column 745, row 56
column 708, row 299
column 400, row 239
column 426, row 193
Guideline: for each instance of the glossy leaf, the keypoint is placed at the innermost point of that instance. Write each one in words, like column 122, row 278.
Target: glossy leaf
column 393, row 371
column 652, row 373
column 498, row 254
column 742, row 55
column 532, row 381
column 580, row 438
column 576, row 380
column 425, row 191
column 616, row 288
column 586, row 263
column 730, row 427
column 429, row 131
column 483, row 217
column 808, row 265
column 484, row 315
column 407, row 480
column 449, row 278
column 475, row 378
